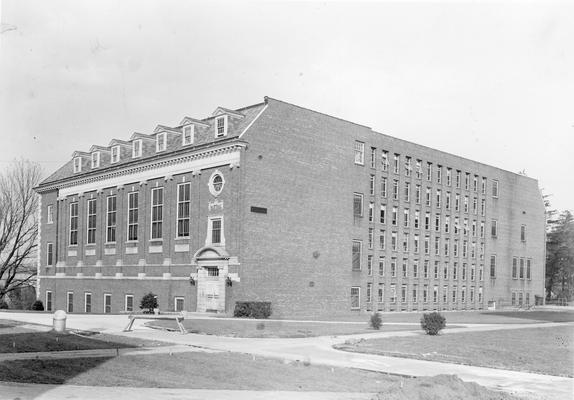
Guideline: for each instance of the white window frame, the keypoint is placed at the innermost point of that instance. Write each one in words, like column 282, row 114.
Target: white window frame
column 495, row 189
column 77, row 164
column 96, row 159
column 188, row 129
column 175, row 300
column 223, row 132
column 360, row 243
column 137, row 148
column 126, row 302
column 157, row 222
column 107, row 296
column 111, row 219
column 49, row 254
column 76, row 218
column 356, row 196
column 185, row 203
column 69, row 305
column 115, row 154
column 91, row 217
column 209, row 239
column 131, row 211
column 50, row 214
column 49, row 300
column 86, row 294
column 358, row 296
column 161, row 142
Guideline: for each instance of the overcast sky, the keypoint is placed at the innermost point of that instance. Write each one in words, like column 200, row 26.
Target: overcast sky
column 492, row 82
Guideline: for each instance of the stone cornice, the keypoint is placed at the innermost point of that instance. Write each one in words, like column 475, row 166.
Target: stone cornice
column 142, row 166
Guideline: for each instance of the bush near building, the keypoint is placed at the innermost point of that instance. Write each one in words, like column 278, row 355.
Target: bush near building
column 433, row 323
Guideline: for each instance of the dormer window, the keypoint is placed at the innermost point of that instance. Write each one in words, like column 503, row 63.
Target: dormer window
column 77, row 164
column 115, row 154
column 95, row 159
column 160, row 142
column 221, row 126
column 188, row 135
column 137, row 148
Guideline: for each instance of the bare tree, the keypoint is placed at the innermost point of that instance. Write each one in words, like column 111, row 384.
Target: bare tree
column 18, row 225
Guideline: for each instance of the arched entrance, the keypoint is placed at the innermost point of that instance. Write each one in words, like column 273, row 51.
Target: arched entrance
column 212, row 265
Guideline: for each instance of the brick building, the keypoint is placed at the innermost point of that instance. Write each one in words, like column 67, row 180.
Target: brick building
column 275, row 202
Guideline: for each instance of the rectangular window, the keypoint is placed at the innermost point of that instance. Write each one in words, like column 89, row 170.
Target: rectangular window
column 482, row 229
column 115, row 154
column 483, row 186
column 514, row 268
column 183, row 209
column 156, row 213
column 475, row 183
column 406, row 218
column 447, row 247
column 371, row 211
column 444, row 294
column 416, row 244
column 448, row 176
column 407, row 192
column 371, row 237
column 77, row 164
column 457, row 179
column 417, row 219
column 425, row 294
column 415, row 269
column 427, row 244
column 482, row 207
column 455, row 248
column 523, row 233
column 87, row 302
column 427, row 221
column 528, row 269
column 50, row 254
column 383, row 187
column 495, row 188
column 370, row 265
column 395, row 189
column 137, row 148
column 522, row 268
column 70, row 302
column 445, row 271
column 160, row 142
column 418, row 194
column 467, row 181
column 111, row 219
column 454, row 271
column 129, row 303
column 221, row 127
column 372, row 185
column 464, row 267
column 359, row 153
column 428, row 197
column 435, row 270
column 466, row 204
column 447, row 224
column 435, row 294
column 494, row 228
column 438, row 198
column 472, row 272
column 369, row 292
column 216, row 230
column 357, row 204
column 385, row 160
column 357, row 250
column 133, row 200
column 107, row 303
column 429, row 171
column 381, row 294
column 396, row 163
column 437, row 245
column 454, row 290
column 447, row 201
column 96, row 159
column 437, row 222
column 457, row 202
column 178, row 304
column 383, row 214
column 475, row 205
column 188, row 134
column 403, row 293
column 50, row 214
column 381, row 266
column 419, row 169
column 464, row 248
column 408, row 167
column 492, row 266
column 382, row 241
column 73, row 224
column 439, row 174
column 481, row 272
column 394, row 241
column 473, row 229
column 48, row 300
column 373, row 157
column 355, row 298
column 426, row 269
column 394, row 216
column 393, row 268
column 393, row 294
column 405, row 242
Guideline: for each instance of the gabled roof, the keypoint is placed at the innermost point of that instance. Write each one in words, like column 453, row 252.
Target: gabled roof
column 163, row 128
column 137, row 135
column 189, row 120
column 221, row 111
column 79, row 153
column 95, row 147
column 115, row 142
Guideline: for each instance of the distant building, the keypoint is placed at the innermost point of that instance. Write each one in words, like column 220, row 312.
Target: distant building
column 275, row 202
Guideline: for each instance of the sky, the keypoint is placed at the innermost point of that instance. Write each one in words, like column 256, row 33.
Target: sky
column 490, row 81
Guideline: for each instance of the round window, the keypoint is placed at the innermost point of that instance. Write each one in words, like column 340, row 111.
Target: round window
column 216, row 183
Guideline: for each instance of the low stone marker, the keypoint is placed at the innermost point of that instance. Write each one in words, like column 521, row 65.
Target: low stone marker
column 59, row 321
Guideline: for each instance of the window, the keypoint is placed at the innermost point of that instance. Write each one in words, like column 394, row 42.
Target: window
column 447, row 201
column 156, row 213
column 437, row 222
column 87, row 302
column 456, row 225
column 50, row 214
column 381, row 294
column 482, row 229
column 467, row 181
column 115, row 154
column 396, row 163
column 382, row 240
column 494, row 228
column 464, row 248
column 70, row 302
column 436, row 246
column 357, row 250
column 521, row 268
column 495, row 188
column 95, row 159
column 395, row 189
column 129, row 303
column 438, row 198
column 481, row 271
column 457, row 182
column 473, row 229
column 136, row 148
column 357, row 204
column 383, row 214
column 393, row 268
column 474, row 205
column 448, row 176
column 381, row 266
column 393, row 294
column 444, row 294
column 492, row 266
column 111, row 219
column 73, row 224
column 187, row 136
column 394, row 216
column 372, row 185
column 445, row 271
column 466, row 204
column 514, row 268
column 369, row 292
column 482, row 207
column 427, row 244
column 426, row 269
column 417, row 219
column 408, row 167
column 447, row 224
column 425, row 294
column 405, row 242
column 429, row 171
column 454, row 290
column 473, row 272
column 475, row 183
column 160, row 141
column 406, row 219
column 77, row 164
column 439, row 174
column 416, row 244
column 383, row 187
column 48, row 300
column 513, row 298
column 50, row 254
column 385, row 160
column 359, row 153
column 355, row 298
column 133, row 216
column 523, row 233
column 107, row 303
column 407, row 192
column 373, row 157
column 427, row 221
column 464, row 267
column 221, row 127
column 370, row 265
column 370, row 238
column 183, row 209
column 428, row 197
column 528, row 269
column 455, row 248
column 457, row 202
column 394, row 241
column 447, row 247
column 483, row 186
column 419, row 170
column 435, row 294
column 454, row 271
column 216, row 230
column 415, row 269
column 418, row 194
column 435, row 270
column 178, row 304
column 403, row 293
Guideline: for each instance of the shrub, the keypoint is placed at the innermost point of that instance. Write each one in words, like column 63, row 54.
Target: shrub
column 376, row 321
column 4, row 305
column 433, row 323
column 252, row 309
column 37, row 306
column 148, row 303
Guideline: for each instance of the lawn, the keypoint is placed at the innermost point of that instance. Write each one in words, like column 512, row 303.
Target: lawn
column 234, row 371
column 541, row 350
column 252, row 328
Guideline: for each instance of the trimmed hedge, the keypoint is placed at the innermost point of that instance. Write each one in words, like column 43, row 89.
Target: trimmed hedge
column 252, row 309
column 433, row 323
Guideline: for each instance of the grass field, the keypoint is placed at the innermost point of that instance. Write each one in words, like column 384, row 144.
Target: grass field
column 540, row 350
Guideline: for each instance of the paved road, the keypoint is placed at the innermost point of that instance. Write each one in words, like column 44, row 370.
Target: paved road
column 318, row 350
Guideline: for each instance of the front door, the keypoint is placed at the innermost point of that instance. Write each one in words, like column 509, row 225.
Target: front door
column 212, row 295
